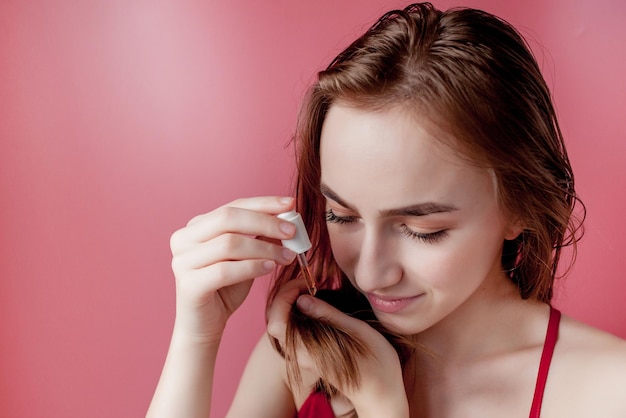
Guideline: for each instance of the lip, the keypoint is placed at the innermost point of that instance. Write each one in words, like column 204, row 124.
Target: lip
column 390, row 304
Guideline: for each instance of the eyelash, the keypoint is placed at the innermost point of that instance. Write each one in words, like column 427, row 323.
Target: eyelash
column 430, row 238
column 331, row 217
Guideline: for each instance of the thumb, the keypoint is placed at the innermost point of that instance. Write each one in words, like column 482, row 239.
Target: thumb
column 329, row 308
column 316, row 308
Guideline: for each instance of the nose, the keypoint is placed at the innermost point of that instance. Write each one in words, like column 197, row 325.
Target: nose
column 378, row 266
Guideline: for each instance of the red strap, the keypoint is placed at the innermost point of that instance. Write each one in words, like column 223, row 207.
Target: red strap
column 546, row 357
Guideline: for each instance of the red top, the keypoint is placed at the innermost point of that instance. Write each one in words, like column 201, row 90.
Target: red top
column 318, row 406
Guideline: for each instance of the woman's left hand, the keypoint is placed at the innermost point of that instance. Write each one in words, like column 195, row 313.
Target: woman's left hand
column 380, row 391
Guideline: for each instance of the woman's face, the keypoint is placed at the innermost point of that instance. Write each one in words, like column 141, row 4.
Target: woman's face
column 415, row 228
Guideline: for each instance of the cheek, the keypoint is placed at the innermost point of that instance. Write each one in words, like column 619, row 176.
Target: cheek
column 464, row 260
column 470, row 259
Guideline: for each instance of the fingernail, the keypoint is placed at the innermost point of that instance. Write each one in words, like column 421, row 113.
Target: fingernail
column 287, row 228
column 305, row 303
column 288, row 255
column 286, row 200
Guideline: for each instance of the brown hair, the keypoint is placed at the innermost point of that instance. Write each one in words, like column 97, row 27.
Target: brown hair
column 473, row 75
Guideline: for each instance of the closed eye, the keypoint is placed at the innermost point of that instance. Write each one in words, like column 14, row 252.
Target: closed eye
column 333, row 218
column 430, row 238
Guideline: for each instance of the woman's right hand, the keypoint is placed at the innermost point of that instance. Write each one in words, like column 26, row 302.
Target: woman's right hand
column 217, row 256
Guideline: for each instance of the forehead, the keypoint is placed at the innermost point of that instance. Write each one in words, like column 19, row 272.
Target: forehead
column 395, row 157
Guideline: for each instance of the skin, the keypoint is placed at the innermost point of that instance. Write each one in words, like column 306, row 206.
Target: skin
column 447, row 289
column 215, row 259
column 432, row 263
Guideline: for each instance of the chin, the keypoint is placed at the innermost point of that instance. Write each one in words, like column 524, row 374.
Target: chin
column 404, row 326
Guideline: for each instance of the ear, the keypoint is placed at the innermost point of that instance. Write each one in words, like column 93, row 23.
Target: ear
column 513, row 229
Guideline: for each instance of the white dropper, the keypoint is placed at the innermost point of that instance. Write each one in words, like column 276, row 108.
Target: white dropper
column 300, row 244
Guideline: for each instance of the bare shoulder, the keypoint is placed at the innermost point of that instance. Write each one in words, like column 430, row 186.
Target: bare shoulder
column 601, row 349
column 263, row 390
column 588, row 372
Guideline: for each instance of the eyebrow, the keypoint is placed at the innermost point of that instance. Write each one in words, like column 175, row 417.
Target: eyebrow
column 330, row 194
column 420, row 209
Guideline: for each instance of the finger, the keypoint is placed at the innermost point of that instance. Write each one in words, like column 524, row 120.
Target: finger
column 269, row 204
column 229, row 219
column 316, row 308
column 240, row 220
column 227, row 273
column 231, row 247
column 279, row 310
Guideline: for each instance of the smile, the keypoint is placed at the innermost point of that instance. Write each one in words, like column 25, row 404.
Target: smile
column 390, row 304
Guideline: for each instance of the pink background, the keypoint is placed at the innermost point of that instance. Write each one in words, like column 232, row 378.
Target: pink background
column 120, row 120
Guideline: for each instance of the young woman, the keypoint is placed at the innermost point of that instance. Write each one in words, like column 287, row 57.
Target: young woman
column 433, row 181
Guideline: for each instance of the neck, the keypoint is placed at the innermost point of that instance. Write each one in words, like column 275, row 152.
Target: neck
column 484, row 334
column 494, row 320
